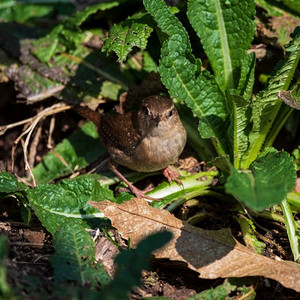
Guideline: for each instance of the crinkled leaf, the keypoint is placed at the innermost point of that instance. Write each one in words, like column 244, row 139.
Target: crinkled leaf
column 32, row 86
column 74, row 152
column 226, row 29
column 267, row 104
column 247, row 78
column 271, row 176
column 241, row 111
column 74, row 257
column 9, row 184
column 181, row 74
column 54, row 204
column 134, row 32
column 130, row 265
column 67, row 35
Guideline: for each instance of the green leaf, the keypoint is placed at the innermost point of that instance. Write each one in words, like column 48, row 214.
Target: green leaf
column 110, row 90
column 3, row 249
column 226, row 29
column 74, row 152
column 5, row 289
column 296, row 156
column 73, row 76
column 292, row 4
column 267, row 104
column 22, row 11
column 10, row 185
column 181, row 74
column 54, row 204
column 272, row 10
column 221, row 292
column 249, row 237
column 130, row 265
column 134, row 32
column 271, row 176
column 291, row 228
column 240, row 111
column 247, row 78
column 67, row 35
column 74, row 257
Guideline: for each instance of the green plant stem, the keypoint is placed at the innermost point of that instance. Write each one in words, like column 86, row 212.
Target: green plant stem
column 291, row 230
column 249, row 238
column 280, row 120
column 194, row 194
column 4, row 287
column 269, row 215
column 203, row 147
column 294, row 199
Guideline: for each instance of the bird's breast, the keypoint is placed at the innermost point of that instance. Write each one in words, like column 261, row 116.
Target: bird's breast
column 155, row 152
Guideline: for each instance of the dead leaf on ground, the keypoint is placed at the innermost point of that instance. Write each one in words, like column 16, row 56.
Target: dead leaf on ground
column 211, row 253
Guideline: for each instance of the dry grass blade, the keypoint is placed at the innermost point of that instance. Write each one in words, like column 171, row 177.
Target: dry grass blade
column 212, row 254
column 31, row 125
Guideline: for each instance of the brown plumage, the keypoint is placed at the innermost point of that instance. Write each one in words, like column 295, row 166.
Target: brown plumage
column 145, row 140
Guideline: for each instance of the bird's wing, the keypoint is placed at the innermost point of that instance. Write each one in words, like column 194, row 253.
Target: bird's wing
column 118, row 131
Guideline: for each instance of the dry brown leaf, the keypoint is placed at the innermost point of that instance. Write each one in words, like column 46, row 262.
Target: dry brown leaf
column 211, row 253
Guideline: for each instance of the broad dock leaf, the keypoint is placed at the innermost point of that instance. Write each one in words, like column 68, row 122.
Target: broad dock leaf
column 226, row 29
column 271, row 176
column 55, row 203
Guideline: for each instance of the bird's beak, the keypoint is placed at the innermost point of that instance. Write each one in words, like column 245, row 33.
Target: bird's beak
column 157, row 119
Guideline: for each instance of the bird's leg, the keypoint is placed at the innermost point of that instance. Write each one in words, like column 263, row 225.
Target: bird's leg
column 172, row 175
column 138, row 193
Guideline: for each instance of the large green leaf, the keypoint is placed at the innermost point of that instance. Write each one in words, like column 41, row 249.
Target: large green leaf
column 134, row 32
column 267, row 104
column 54, row 204
column 74, row 257
column 271, row 176
column 181, row 74
column 226, row 29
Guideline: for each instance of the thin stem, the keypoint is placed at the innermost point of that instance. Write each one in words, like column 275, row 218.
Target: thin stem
column 291, row 229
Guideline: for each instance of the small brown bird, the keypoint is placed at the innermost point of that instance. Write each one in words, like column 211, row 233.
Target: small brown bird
column 145, row 140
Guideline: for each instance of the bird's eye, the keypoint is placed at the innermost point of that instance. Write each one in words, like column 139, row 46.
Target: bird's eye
column 146, row 111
